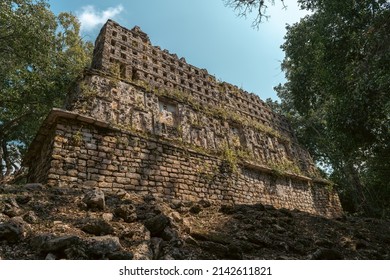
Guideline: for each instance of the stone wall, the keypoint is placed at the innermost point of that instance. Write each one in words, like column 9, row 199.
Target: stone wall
column 130, row 54
column 96, row 156
column 175, row 115
column 41, row 157
column 143, row 120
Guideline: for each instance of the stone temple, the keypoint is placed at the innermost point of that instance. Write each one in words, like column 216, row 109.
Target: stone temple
column 144, row 120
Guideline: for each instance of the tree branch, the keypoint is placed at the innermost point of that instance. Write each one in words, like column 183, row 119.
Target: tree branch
column 246, row 7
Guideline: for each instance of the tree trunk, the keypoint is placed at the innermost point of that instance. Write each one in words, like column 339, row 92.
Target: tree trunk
column 1, row 164
column 6, row 159
column 359, row 197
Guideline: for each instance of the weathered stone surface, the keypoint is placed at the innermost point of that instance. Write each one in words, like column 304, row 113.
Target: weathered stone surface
column 34, row 186
column 156, row 247
column 50, row 257
column 204, row 203
column 169, row 234
column 96, row 226
column 234, row 252
column 30, row 217
column 137, row 231
column 157, row 224
column 216, row 248
column 23, row 199
column 143, row 251
column 195, row 209
column 37, row 241
column 101, row 246
column 14, row 230
column 127, row 212
column 326, row 254
column 3, row 218
column 120, row 255
column 56, row 244
column 11, row 208
column 163, row 128
column 244, row 232
column 95, row 199
column 107, row 217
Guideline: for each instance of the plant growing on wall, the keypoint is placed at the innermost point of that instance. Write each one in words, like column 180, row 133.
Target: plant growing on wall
column 230, row 159
column 77, row 138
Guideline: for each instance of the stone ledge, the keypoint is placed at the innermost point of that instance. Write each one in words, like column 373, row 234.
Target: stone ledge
column 56, row 113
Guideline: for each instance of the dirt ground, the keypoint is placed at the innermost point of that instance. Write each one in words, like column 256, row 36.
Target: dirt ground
column 37, row 222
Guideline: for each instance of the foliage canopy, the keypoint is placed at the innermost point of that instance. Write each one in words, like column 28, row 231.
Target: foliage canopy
column 40, row 56
column 337, row 94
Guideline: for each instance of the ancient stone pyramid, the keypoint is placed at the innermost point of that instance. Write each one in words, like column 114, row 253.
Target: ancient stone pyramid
column 144, row 120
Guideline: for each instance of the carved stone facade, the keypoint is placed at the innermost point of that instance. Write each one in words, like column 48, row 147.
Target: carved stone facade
column 144, row 120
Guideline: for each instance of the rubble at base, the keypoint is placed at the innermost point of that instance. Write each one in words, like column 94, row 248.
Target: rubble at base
column 61, row 223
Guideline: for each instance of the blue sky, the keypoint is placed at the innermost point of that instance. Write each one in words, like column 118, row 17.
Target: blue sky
column 205, row 32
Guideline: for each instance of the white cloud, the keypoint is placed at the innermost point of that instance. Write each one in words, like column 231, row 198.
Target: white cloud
column 90, row 17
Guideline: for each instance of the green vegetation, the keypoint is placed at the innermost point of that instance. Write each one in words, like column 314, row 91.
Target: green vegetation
column 114, row 74
column 285, row 166
column 86, row 91
column 40, row 57
column 219, row 112
column 229, row 156
column 337, row 96
column 337, row 93
column 77, row 138
column 121, row 141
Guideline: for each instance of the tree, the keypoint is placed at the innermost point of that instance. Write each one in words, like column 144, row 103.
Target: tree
column 245, row 7
column 40, row 57
column 337, row 94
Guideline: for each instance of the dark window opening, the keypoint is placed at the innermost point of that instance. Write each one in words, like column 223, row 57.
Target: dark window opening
column 122, row 70
column 135, row 76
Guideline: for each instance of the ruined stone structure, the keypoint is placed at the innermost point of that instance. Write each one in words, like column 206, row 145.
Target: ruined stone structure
column 144, row 120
